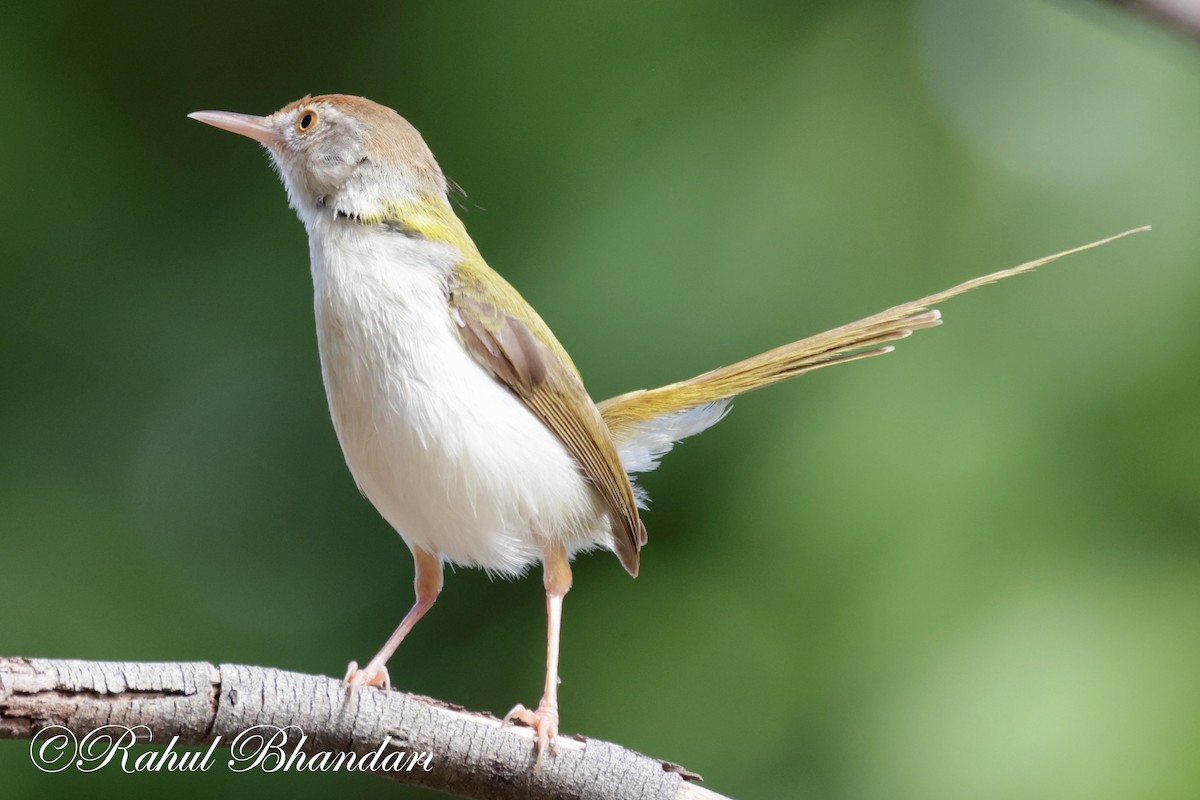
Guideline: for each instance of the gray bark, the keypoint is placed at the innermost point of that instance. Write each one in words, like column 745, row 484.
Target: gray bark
column 472, row 755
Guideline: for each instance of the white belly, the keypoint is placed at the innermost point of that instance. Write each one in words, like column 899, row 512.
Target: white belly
column 456, row 463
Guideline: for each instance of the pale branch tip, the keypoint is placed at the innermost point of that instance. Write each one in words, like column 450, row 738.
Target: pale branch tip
column 1180, row 16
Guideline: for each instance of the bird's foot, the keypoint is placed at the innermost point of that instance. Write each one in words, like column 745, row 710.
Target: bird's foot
column 356, row 677
column 544, row 722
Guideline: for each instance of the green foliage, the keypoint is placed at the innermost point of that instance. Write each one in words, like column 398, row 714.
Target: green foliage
column 969, row 569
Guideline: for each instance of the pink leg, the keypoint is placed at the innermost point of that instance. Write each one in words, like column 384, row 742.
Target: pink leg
column 544, row 721
column 428, row 584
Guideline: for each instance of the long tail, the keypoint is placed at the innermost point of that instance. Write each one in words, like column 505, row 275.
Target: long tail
column 645, row 423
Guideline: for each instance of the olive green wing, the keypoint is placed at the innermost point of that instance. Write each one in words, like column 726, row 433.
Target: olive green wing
column 520, row 351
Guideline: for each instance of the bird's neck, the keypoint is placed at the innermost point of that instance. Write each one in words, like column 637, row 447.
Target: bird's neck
column 352, row 250
column 428, row 218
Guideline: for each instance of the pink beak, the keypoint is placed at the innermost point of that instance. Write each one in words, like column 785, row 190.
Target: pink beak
column 257, row 128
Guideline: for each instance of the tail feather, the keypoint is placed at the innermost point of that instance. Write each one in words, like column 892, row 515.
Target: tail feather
column 646, row 443
column 646, row 423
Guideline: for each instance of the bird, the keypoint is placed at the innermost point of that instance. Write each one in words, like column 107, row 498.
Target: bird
column 461, row 417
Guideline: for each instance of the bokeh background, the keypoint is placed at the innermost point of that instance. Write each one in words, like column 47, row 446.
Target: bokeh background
column 970, row 569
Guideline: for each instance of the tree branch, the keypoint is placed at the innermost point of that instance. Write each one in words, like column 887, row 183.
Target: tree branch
column 1181, row 16
column 469, row 753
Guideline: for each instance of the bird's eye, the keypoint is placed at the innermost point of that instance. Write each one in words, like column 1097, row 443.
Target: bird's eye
column 306, row 121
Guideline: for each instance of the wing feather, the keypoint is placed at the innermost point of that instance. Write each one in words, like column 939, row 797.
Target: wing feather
column 521, row 352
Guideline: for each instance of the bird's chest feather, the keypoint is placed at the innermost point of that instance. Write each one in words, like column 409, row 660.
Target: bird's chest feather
column 446, row 453
column 391, row 361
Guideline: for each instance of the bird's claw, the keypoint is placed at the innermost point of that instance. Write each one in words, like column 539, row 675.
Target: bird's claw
column 543, row 721
column 356, row 677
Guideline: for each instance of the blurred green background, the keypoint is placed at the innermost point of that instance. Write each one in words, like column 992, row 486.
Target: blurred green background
column 970, row 569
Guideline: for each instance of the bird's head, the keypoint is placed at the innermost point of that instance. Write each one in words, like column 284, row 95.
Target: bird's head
column 341, row 155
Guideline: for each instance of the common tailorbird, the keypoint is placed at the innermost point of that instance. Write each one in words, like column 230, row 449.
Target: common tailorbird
column 461, row 417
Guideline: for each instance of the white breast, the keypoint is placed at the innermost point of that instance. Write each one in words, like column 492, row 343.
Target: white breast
column 447, row 455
